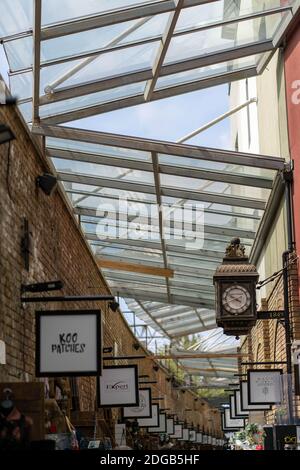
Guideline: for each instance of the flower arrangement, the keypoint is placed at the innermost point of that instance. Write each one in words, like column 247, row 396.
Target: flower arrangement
column 252, row 437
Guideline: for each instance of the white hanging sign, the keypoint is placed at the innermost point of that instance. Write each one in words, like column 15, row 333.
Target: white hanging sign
column 68, row 343
column 118, row 386
column 162, row 428
column 264, row 386
column 144, row 409
column 150, row 422
column 245, row 406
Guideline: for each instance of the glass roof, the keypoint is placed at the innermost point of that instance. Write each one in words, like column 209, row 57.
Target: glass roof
column 93, row 57
column 158, row 215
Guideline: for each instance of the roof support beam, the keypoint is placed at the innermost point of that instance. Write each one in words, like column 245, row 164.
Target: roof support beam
column 37, row 15
column 160, row 216
column 211, row 175
column 201, row 196
column 165, row 42
column 169, row 148
column 135, row 268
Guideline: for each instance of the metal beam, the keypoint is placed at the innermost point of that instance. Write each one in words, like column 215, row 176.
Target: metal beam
column 176, row 170
column 176, row 299
column 201, row 196
column 168, row 148
column 152, row 318
column 136, row 268
column 37, row 15
column 163, row 49
column 106, row 19
column 208, row 210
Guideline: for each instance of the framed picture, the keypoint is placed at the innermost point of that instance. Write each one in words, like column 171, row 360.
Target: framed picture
column 150, row 422
column 192, row 435
column 229, row 424
column 162, row 424
column 118, row 386
column 170, row 426
column 245, row 406
column 264, row 386
column 144, row 410
column 185, row 434
column 68, row 343
column 178, row 432
column 233, row 408
column 199, row 437
column 237, row 404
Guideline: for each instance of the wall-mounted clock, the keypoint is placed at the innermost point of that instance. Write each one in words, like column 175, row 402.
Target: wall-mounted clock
column 236, row 299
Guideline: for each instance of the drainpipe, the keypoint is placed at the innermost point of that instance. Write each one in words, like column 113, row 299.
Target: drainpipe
column 288, row 178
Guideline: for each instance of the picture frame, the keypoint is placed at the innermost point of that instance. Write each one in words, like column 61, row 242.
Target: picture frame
column 143, row 410
column 264, row 386
column 68, row 343
column 118, row 386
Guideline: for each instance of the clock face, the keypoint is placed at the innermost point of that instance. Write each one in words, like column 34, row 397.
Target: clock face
column 236, row 299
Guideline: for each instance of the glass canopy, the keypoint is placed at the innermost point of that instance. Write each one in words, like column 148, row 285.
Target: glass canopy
column 157, row 215
column 93, row 57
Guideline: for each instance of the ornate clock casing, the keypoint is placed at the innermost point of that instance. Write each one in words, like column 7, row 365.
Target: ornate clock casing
column 235, row 286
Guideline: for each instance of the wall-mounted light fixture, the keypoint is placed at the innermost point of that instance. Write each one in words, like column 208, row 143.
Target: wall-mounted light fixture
column 47, row 183
column 6, row 134
column 114, row 306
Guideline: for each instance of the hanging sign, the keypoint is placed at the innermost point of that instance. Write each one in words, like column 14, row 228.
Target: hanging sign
column 233, row 408
column 245, row 405
column 229, row 424
column 178, row 432
column 238, row 407
column 118, row 386
column 170, row 426
column 199, row 437
column 192, row 435
column 264, row 386
column 150, row 422
column 185, row 434
column 68, row 343
column 144, row 410
column 162, row 427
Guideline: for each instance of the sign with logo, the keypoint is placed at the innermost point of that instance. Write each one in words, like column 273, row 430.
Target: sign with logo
column 286, row 437
column 162, row 427
column 199, row 437
column 68, row 343
column 170, row 426
column 192, row 435
column 150, row 422
column 245, row 405
column 118, row 386
column 264, row 386
column 178, row 432
column 144, row 409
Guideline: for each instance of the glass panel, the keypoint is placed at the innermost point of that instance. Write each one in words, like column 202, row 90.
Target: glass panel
column 218, row 39
column 207, row 72
column 102, row 38
column 99, row 149
column 15, row 18
column 62, row 10
column 202, row 15
column 193, row 184
column 105, row 171
column 94, row 99
column 238, row 169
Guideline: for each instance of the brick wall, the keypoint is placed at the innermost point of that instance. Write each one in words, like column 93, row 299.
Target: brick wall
column 59, row 251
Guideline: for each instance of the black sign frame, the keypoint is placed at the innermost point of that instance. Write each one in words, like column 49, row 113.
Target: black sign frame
column 47, row 313
column 121, row 405
column 138, row 417
column 261, row 371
